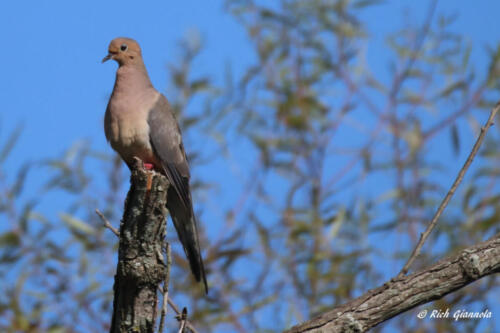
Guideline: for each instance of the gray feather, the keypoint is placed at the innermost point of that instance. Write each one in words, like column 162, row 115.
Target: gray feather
column 166, row 140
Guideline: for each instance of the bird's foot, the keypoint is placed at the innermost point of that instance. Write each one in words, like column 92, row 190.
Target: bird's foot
column 149, row 182
column 149, row 167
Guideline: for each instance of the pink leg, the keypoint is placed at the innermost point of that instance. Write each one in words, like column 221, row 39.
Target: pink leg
column 149, row 166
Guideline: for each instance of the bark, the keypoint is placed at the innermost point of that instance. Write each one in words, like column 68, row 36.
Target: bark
column 402, row 294
column 141, row 267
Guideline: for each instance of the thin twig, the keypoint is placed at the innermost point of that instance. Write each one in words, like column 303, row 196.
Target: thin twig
column 182, row 318
column 401, row 76
column 178, row 312
column 106, row 223
column 173, row 306
column 456, row 183
column 476, row 97
column 165, row 288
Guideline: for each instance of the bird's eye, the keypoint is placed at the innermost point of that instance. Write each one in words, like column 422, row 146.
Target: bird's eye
column 123, row 47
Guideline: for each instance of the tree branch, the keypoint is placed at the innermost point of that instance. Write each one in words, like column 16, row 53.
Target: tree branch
column 140, row 268
column 163, row 290
column 404, row 293
column 456, row 183
column 106, row 223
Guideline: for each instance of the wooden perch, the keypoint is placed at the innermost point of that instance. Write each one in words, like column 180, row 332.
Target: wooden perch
column 404, row 293
column 141, row 267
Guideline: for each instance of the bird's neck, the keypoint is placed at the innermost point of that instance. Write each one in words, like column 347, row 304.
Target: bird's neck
column 132, row 78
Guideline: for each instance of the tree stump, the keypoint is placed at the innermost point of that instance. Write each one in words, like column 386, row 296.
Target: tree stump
column 141, row 266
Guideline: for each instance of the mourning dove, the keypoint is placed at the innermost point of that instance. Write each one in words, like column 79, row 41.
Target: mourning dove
column 139, row 122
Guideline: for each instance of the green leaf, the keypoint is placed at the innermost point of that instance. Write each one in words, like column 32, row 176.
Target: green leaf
column 337, row 223
column 77, row 224
column 451, row 88
column 11, row 142
column 455, row 139
column 9, row 239
column 198, row 85
column 366, row 3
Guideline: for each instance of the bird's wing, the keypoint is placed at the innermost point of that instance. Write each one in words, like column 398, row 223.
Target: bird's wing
column 166, row 140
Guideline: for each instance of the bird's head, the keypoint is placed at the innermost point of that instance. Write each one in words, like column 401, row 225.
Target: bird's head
column 124, row 51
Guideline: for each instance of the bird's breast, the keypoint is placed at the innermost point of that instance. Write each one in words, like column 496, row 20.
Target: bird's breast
column 127, row 130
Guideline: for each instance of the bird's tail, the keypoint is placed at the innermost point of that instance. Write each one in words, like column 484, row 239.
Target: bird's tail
column 185, row 224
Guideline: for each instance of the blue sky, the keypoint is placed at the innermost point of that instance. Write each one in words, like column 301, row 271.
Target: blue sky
column 52, row 79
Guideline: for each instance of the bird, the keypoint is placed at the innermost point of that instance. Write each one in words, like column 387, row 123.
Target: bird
column 139, row 122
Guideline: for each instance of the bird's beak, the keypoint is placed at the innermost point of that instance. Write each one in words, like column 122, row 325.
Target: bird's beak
column 106, row 58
